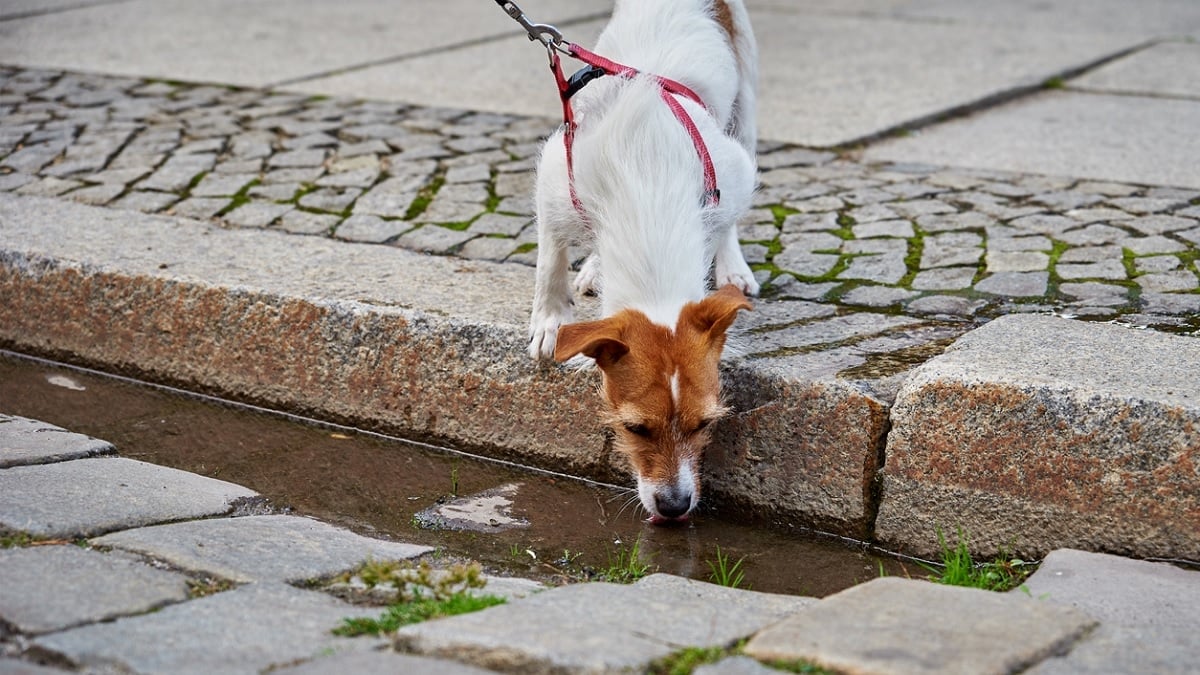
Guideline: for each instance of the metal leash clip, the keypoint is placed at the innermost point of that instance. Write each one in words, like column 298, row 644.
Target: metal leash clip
column 548, row 35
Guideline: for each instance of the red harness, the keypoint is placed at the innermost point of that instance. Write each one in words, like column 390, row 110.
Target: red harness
column 669, row 89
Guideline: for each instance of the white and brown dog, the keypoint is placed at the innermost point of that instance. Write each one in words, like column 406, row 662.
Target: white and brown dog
column 641, row 201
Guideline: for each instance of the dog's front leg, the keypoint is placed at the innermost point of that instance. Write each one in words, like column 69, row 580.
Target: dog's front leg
column 551, row 293
column 556, row 219
column 730, row 266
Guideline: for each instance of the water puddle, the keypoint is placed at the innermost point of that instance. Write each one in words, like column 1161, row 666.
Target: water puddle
column 514, row 521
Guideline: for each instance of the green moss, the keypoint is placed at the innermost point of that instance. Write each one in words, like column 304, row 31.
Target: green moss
column 688, row 659
column 16, row 540
column 416, row 611
column 199, row 588
column 425, row 196
column 1054, row 83
column 241, row 198
column 422, row 593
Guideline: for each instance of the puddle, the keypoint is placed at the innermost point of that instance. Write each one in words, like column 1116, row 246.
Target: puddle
column 511, row 520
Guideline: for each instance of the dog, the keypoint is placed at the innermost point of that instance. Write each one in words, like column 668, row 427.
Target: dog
column 639, row 199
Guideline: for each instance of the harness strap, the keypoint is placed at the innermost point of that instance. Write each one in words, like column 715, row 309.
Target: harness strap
column 669, row 89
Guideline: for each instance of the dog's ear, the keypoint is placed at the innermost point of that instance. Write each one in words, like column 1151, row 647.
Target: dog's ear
column 601, row 340
column 713, row 315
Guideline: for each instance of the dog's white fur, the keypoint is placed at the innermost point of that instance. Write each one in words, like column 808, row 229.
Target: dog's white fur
column 638, row 175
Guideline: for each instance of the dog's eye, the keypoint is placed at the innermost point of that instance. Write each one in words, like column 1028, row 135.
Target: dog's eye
column 638, row 430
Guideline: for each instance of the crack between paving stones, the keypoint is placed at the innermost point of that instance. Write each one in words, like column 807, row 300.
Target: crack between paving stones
column 457, row 46
column 59, row 10
column 989, row 101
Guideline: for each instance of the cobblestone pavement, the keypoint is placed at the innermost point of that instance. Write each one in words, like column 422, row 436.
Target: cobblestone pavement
column 930, row 242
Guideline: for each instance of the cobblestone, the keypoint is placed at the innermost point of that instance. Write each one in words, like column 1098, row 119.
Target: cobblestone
column 374, row 172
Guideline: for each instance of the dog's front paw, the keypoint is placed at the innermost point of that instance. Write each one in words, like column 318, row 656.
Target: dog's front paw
column 587, row 282
column 743, row 279
column 543, row 335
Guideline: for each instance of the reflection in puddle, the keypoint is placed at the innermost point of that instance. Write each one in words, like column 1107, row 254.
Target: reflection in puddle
column 550, row 527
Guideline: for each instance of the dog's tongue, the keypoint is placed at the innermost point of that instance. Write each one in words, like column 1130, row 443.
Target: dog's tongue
column 659, row 520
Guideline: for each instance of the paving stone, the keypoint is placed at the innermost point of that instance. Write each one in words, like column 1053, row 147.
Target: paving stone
column 626, row 627
column 145, row 201
column 494, row 223
column 12, row 181
column 380, row 661
column 177, row 172
column 1093, row 235
column 1170, row 303
column 1015, row 284
column 48, row 187
column 434, row 239
column 293, row 175
column 888, row 268
column 828, row 331
column 222, row 184
column 1097, row 215
column 1144, row 608
column 1017, row 261
column 49, row 588
column 17, row 667
column 330, row 199
column 370, row 228
column 24, row 441
column 1192, row 235
column 359, row 178
column 793, row 157
column 898, row 625
column 1104, row 269
column 921, row 207
column 951, row 249
column 1095, row 293
column 200, row 207
column 884, row 228
column 470, row 173
column 1152, row 244
column 804, row 263
column 735, row 665
column 1146, row 205
column 1031, row 446
column 1065, row 200
column 1157, row 263
column 944, row 279
column 303, row 222
column 944, row 305
column 955, row 221
column 1182, row 280
column 246, row 630
column 256, row 214
column 1091, row 254
column 297, row 159
column 97, row 195
column 382, row 202
column 86, row 497
column 876, row 296
column 258, row 548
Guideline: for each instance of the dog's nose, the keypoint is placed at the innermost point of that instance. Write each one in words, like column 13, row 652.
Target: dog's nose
column 672, row 504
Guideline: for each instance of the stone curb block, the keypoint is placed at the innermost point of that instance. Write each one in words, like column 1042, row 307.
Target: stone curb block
column 427, row 347
column 1034, row 433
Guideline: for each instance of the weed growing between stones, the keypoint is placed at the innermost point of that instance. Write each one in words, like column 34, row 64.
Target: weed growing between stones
column 726, row 574
column 199, row 588
column 687, row 660
column 627, row 566
column 422, row 594
column 16, row 540
column 959, row 569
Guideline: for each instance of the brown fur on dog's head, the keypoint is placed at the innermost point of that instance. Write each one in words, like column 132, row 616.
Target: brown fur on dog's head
column 663, row 391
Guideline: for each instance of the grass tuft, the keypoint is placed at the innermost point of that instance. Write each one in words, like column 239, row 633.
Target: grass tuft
column 422, row 592
column 726, row 574
column 960, row 569
column 627, row 566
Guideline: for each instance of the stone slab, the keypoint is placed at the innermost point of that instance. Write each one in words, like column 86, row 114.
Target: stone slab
column 1165, row 69
column 259, row 548
column 245, row 630
column 900, row 626
column 24, row 441
column 16, row 667
column 88, row 497
column 253, row 44
column 1129, row 139
column 380, row 661
column 1034, row 433
column 49, row 588
column 824, row 79
column 1146, row 612
column 611, row 627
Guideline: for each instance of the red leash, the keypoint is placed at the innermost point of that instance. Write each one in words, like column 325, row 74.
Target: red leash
column 552, row 39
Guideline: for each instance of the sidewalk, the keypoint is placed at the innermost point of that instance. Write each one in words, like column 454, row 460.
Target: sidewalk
column 327, row 211
column 138, row 568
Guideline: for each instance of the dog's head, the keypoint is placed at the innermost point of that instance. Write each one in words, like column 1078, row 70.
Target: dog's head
column 663, row 392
